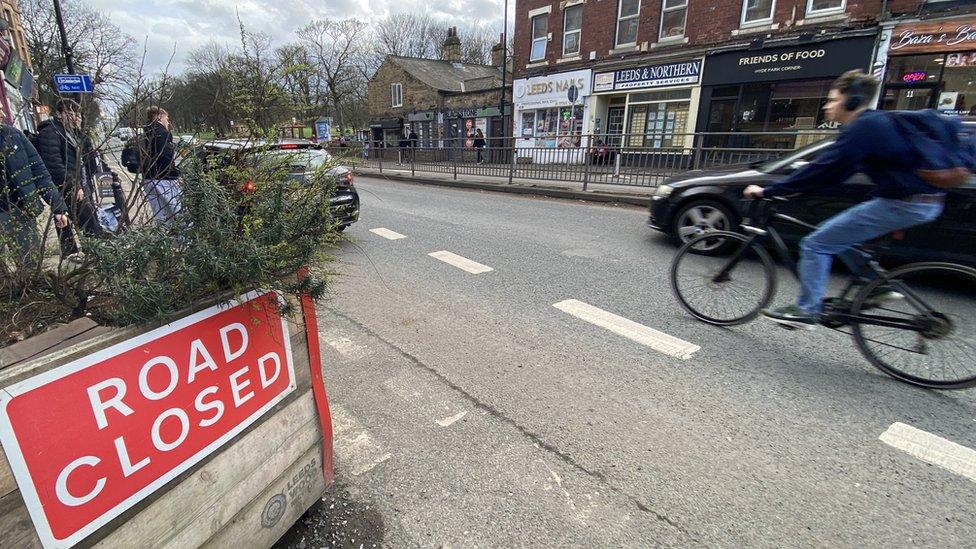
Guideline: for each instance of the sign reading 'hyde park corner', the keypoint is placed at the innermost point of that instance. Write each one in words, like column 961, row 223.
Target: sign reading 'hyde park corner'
column 651, row 76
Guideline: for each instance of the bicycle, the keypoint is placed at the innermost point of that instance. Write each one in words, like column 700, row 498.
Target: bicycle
column 932, row 320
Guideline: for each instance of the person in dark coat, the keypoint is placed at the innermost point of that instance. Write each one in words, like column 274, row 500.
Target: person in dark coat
column 479, row 144
column 25, row 183
column 71, row 160
column 160, row 175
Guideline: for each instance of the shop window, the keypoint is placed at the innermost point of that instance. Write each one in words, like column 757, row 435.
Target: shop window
column 673, row 16
column 540, row 35
column 627, row 11
column 557, row 122
column 820, row 7
column 396, row 95
column 958, row 93
column 658, row 125
column 797, row 105
column 915, row 69
column 528, row 123
column 757, row 11
column 572, row 23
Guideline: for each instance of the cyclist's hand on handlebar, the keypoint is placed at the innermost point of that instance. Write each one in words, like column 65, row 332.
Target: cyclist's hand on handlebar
column 753, row 191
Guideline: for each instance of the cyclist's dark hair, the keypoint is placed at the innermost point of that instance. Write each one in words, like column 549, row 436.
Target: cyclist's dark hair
column 856, row 83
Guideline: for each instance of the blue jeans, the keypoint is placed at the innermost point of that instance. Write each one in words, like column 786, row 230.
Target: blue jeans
column 163, row 196
column 838, row 234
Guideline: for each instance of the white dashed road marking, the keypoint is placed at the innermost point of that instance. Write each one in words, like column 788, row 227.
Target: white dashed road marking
column 932, row 449
column 462, row 263
column 654, row 339
column 387, row 233
column 448, row 421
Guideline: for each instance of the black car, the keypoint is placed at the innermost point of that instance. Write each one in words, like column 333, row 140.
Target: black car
column 303, row 158
column 701, row 200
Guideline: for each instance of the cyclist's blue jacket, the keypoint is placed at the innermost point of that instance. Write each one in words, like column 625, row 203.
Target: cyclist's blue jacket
column 875, row 144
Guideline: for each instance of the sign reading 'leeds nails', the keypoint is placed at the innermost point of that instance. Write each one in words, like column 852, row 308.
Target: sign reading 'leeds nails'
column 91, row 438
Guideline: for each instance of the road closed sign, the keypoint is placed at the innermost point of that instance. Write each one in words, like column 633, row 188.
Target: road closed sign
column 91, row 438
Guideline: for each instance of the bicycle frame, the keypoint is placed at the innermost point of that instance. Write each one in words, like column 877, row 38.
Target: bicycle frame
column 757, row 225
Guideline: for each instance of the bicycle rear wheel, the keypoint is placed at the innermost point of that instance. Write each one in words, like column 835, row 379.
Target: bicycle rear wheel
column 747, row 286
column 939, row 304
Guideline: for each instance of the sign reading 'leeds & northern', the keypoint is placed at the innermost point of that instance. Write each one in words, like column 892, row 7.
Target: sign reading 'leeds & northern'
column 945, row 36
column 652, row 76
column 91, row 438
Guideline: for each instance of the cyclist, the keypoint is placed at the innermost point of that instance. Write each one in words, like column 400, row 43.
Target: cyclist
column 870, row 142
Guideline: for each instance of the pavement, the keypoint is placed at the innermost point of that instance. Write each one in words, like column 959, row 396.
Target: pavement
column 513, row 371
column 555, row 188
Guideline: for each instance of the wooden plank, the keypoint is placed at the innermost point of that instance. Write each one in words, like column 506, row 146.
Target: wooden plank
column 16, row 528
column 7, row 482
column 272, row 513
column 42, row 343
column 211, row 520
column 171, row 512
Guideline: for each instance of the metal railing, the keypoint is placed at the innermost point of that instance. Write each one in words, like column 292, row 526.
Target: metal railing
column 643, row 160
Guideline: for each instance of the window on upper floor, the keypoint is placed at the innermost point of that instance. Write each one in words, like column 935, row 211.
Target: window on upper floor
column 396, row 95
column 757, row 11
column 572, row 23
column 817, row 7
column 540, row 35
column 674, row 13
column 627, row 11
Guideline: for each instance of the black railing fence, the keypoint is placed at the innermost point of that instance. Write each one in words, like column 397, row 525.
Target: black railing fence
column 630, row 159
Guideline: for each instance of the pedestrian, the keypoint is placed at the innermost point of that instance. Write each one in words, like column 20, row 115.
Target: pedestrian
column 366, row 150
column 26, row 181
column 479, row 145
column 414, row 140
column 72, row 161
column 883, row 146
column 160, row 175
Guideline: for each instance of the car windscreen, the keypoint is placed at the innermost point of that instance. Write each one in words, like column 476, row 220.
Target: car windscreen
column 806, row 153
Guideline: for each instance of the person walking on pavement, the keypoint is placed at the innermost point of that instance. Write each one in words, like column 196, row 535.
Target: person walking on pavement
column 26, row 182
column 870, row 141
column 479, row 145
column 159, row 173
column 71, row 161
column 413, row 140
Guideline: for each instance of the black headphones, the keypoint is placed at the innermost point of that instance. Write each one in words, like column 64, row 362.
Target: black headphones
column 855, row 97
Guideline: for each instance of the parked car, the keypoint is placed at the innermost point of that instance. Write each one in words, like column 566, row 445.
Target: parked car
column 304, row 159
column 702, row 200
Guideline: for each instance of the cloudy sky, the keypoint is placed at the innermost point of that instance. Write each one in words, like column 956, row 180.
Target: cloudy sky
column 183, row 25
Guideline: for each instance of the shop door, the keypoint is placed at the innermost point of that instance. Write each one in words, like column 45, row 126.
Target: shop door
column 615, row 125
column 496, row 142
column 909, row 98
column 721, row 119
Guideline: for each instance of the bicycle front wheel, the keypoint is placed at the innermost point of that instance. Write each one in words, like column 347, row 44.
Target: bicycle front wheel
column 924, row 333
column 729, row 284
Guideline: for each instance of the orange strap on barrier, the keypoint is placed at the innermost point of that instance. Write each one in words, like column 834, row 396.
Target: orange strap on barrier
column 318, row 382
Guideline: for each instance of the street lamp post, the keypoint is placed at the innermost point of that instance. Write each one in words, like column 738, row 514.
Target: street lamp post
column 65, row 47
column 501, row 100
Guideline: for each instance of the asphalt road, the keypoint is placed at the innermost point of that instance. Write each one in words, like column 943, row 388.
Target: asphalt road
column 469, row 411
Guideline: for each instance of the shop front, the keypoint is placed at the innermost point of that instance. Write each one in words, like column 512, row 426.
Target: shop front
column 550, row 122
column 932, row 65
column 387, row 132
column 775, row 89
column 427, row 126
column 647, row 107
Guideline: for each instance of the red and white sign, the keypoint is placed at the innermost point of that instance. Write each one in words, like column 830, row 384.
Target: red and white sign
column 89, row 439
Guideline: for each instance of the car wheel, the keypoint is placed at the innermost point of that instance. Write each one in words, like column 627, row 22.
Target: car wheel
column 701, row 216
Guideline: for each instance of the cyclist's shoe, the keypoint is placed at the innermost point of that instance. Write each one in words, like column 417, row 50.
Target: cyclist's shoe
column 791, row 317
column 881, row 295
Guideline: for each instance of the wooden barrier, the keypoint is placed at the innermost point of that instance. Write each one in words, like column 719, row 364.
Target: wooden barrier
column 247, row 493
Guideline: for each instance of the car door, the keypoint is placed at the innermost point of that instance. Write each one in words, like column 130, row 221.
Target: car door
column 952, row 237
column 816, row 206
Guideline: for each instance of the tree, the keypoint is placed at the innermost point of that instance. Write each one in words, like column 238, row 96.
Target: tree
column 335, row 50
column 100, row 48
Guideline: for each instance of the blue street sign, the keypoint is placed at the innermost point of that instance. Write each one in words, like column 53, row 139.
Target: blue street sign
column 73, row 83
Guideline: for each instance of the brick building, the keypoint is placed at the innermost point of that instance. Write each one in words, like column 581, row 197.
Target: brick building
column 18, row 81
column 436, row 99
column 662, row 69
